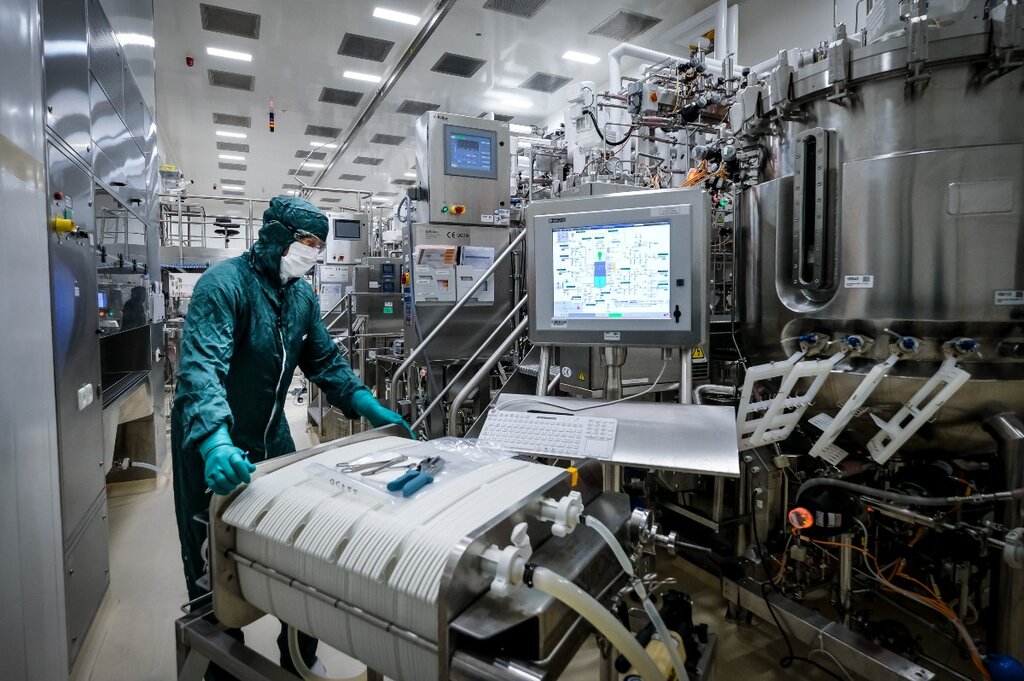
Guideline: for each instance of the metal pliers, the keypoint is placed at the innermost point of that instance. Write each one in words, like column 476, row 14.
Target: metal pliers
column 370, row 467
column 418, row 477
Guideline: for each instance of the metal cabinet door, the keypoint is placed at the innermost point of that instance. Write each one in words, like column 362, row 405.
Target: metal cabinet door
column 66, row 62
column 76, row 346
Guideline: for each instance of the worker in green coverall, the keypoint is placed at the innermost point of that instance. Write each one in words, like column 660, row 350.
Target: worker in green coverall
column 251, row 321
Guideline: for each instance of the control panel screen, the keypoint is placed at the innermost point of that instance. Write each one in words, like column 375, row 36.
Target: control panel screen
column 470, row 152
column 102, row 300
column 346, row 229
column 619, row 271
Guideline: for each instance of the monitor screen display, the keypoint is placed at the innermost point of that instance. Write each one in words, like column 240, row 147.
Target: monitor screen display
column 619, row 271
column 102, row 299
column 346, row 229
column 470, row 152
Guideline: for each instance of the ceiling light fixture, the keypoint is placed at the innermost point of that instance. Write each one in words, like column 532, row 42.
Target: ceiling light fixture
column 232, row 188
column 392, row 15
column 228, row 54
column 410, row 174
column 230, row 157
column 232, row 135
column 581, row 57
column 368, row 77
column 313, row 165
column 325, row 145
column 520, row 129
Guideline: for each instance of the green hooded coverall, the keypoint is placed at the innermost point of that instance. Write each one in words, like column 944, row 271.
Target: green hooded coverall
column 244, row 335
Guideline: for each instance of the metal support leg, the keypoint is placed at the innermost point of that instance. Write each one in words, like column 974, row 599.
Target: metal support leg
column 372, row 675
column 612, row 359
column 543, row 370
column 686, row 378
column 195, row 667
column 607, row 667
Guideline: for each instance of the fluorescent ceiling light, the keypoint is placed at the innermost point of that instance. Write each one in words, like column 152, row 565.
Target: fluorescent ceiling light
column 520, row 129
column 392, row 15
column 232, row 135
column 228, row 54
column 232, row 188
column 410, row 174
column 231, row 157
column 368, row 77
column 325, row 145
column 310, row 164
column 581, row 57
column 137, row 39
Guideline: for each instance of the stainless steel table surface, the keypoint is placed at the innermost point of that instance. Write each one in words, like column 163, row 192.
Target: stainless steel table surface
column 689, row 438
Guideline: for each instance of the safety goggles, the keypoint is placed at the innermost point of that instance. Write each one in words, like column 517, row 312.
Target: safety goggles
column 311, row 240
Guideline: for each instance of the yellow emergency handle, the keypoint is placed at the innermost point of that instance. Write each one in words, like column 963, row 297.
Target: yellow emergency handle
column 64, row 225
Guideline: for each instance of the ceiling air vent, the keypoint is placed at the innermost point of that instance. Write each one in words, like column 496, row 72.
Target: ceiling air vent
column 519, row 8
column 544, row 82
column 331, row 199
column 230, row 21
column 234, row 202
column 367, row 161
column 411, row 106
column 404, row 183
column 289, row 185
column 393, row 140
column 232, row 119
column 301, row 173
column 385, row 193
column 311, row 156
column 352, row 178
column 234, row 81
column 624, row 25
column 233, row 146
column 344, row 97
column 365, row 47
column 457, row 65
column 237, row 167
column 231, row 182
column 322, row 131
column 232, row 192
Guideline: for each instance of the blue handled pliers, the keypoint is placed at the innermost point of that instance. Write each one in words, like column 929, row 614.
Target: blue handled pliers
column 417, row 477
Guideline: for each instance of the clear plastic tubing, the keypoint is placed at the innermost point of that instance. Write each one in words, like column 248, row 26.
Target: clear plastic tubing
column 579, row 600
column 300, row 665
column 641, row 592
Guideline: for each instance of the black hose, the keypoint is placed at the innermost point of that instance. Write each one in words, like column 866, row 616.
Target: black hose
column 597, row 128
column 908, row 499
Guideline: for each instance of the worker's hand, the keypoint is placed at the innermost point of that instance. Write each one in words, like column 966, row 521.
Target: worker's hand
column 226, row 465
column 367, row 406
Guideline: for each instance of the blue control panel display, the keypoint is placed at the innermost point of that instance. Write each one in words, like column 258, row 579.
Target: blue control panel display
column 470, row 152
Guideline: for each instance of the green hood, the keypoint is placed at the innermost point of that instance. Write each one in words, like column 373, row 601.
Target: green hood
column 285, row 215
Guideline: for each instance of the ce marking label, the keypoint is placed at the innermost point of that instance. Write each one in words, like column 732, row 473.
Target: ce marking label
column 458, row 235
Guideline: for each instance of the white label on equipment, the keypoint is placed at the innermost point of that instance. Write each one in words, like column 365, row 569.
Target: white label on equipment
column 612, row 336
column 502, row 216
column 859, row 281
column 1009, row 298
column 662, row 211
column 567, row 372
column 487, row 218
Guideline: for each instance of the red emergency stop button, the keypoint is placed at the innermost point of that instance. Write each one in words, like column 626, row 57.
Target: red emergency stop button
column 58, row 196
column 458, row 210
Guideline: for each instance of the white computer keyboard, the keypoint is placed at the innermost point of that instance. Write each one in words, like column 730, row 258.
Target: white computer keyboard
column 575, row 437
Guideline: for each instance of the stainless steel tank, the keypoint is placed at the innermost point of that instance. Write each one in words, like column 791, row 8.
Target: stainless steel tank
column 892, row 198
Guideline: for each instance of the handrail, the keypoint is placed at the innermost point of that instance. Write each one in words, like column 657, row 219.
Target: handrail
column 484, row 370
column 469, row 362
column 336, row 306
column 393, row 386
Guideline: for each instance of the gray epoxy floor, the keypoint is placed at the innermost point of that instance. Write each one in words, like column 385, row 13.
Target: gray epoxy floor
column 133, row 636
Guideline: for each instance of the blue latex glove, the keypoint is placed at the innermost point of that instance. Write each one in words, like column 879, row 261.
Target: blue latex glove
column 367, row 406
column 226, row 465
column 1004, row 668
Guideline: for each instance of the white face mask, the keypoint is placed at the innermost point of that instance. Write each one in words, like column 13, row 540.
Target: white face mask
column 299, row 259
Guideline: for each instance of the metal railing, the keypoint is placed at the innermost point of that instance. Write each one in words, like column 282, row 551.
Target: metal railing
column 469, row 362
column 484, row 371
column 393, row 385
